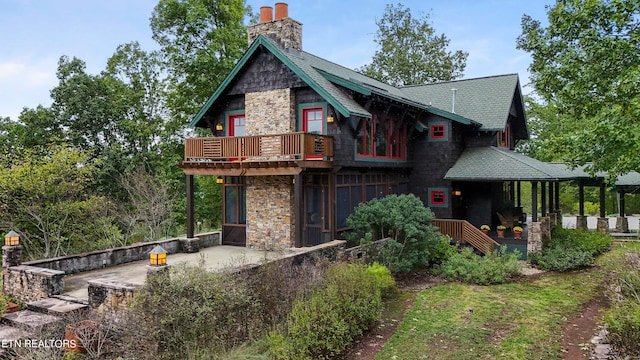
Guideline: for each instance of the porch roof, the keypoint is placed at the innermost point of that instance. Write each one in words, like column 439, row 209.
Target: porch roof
column 498, row 164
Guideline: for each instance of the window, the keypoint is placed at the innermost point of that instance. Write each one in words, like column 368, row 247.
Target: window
column 381, row 137
column 438, row 197
column 235, row 212
column 313, row 120
column 237, row 125
column 503, row 137
column 438, row 132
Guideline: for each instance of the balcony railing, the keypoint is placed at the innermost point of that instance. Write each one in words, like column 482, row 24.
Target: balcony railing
column 278, row 147
column 462, row 230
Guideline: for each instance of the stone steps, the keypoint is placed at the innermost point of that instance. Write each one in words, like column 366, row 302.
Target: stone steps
column 57, row 307
column 31, row 321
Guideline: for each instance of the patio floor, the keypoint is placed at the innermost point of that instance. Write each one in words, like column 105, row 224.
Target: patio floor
column 215, row 257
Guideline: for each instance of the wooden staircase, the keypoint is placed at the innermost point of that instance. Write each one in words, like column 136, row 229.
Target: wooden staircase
column 464, row 232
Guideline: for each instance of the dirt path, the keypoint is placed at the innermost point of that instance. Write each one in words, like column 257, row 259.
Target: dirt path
column 577, row 334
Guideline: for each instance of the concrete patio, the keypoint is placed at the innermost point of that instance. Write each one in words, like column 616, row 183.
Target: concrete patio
column 215, row 257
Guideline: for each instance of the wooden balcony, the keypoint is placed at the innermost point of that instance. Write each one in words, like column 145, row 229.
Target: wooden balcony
column 278, row 154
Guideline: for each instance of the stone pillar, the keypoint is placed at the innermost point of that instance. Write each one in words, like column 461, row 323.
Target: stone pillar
column 558, row 219
column 11, row 255
column 581, row 222
column 622, row 224
column 162, row 270
column 190, row 245
column 534, row 238
column 270, row 212
column 603, row 224
column 545, row 227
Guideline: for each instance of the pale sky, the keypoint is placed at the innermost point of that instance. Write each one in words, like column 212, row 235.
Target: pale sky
column 37, row 32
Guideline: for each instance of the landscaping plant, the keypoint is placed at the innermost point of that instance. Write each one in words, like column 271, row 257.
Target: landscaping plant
column 493, row 268
column 414, row 242
column 571, row 249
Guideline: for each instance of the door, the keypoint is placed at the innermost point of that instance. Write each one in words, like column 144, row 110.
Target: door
column 313, row 122
column 236, row 127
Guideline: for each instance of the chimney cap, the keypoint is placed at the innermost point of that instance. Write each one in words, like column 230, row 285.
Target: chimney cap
column 282, row 10
column 266, row 14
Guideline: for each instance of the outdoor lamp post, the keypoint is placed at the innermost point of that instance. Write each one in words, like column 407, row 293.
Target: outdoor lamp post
column 12, row 238
column 158, row 256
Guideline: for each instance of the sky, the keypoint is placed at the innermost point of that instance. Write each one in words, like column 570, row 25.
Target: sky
column 38, row 32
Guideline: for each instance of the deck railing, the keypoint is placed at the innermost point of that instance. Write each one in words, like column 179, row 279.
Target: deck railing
column 291, row 146
column 462, row 230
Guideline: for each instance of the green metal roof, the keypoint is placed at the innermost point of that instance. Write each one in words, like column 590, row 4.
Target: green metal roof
column 485, row 100
column 498, row 164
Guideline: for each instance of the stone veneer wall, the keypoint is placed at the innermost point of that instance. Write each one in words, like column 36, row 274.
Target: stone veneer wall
column 270, row 215
column 287, row 32
column 110, row 297
column 30, row 283
column 270, row 112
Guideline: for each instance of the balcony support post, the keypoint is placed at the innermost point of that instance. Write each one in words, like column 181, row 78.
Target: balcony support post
column 190, row 221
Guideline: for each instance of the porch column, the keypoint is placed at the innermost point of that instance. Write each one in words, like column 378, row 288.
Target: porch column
column 581, row 220
column 534, row 201
column 603, row 222
column 519, row 195
column 557, row 210
column 622, row 223
column 512, row 190
column 299, row 210
column 190, row 206
column 543, row 198
column 552, row 204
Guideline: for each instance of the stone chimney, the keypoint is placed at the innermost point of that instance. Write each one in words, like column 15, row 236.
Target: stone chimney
column 283, row 29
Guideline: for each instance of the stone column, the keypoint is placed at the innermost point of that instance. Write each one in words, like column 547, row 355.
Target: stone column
column 534, row 238
column 603, row 224
column 581, row 222
column 162, row 270
column 545, row 227
column 622, row 224
column 11, row 255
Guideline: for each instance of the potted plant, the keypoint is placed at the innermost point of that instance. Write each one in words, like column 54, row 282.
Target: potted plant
column 501, row 229
column 517, row 232
column 485, row 229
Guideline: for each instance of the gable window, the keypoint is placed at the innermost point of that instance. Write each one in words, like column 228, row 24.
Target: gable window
column 438, row 197
column 381, row 137
column 503, row 138
column 439, row 131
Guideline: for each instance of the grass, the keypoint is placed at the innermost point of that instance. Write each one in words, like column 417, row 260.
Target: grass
column 512, row 321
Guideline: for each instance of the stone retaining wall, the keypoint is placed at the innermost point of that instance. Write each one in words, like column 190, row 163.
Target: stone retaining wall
column 110, row 297
column 100, row 259
column 30, row 283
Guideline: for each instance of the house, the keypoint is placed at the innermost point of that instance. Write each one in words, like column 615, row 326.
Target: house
column 299, row 141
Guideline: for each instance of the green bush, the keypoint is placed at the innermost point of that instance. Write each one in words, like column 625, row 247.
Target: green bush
column 594, row 242
column 560, row 258
column 325, row 323
column 571, row 249
column 414, row 242
column 470, row 268
column 384, row 281
column 623, row 325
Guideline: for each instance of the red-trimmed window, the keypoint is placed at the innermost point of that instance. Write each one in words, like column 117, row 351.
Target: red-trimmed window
column 382, row 137
column 438, row 197
column 237, row 125
column 503, row 138
column 313, row 120
column 438, row 131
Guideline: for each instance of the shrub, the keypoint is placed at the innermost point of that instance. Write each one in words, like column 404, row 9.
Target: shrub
column 325, row 323
column 623, row 324
column 571, row 249
column 594, row 242
column 560, row 258
column 194, row 311
column 414, row 242
column 470, row 268
column 383, row 278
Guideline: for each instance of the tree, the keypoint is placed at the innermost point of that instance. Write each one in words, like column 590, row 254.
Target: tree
column 410, row 52
column 44, row 195
column 200, row 41
column 586, row 66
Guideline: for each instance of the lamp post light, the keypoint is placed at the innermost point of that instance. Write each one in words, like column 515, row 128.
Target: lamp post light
column 158, row 256
column 12, row 238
